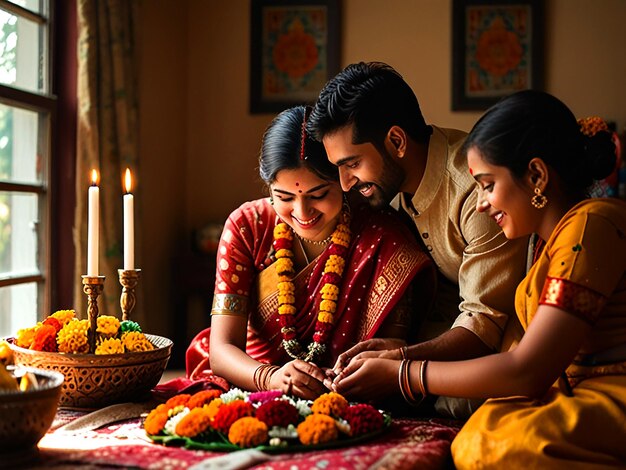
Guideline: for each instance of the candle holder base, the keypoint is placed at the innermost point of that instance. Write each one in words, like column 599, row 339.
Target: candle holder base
column 93, row 286
column 129, row 278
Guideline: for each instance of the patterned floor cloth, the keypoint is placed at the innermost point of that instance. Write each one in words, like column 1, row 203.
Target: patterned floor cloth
column 407, row 444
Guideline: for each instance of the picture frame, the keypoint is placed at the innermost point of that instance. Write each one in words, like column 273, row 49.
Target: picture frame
column 294, row 51
column 497, row 50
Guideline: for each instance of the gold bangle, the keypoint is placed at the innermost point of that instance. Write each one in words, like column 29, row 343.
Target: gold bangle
column 403, row 352
column 261, row 376
column 422, row 378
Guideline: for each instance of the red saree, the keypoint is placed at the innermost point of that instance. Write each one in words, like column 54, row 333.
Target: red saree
column 382, row 261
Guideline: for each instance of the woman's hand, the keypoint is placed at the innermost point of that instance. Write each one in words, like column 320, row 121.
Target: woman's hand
column 370, row 379
column 299, row 378
column 376, row 347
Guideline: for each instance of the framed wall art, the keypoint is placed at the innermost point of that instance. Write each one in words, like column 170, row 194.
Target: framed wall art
column 294, row 51
column 497, row 49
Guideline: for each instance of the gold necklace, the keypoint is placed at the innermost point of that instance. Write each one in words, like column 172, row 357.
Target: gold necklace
column 326, row 240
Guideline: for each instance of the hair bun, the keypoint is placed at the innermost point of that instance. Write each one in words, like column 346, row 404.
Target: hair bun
column 599, row 146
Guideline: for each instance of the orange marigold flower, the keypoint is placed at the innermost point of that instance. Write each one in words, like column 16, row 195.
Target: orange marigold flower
column 156, row 419
column 213, row 407
column 229, row 413
column 56, row 324
column 202, row 398
column 193, row 423
column 178, row 400
column 331, row 404
column 248, row 432
column 45, row 339
column 317, row 429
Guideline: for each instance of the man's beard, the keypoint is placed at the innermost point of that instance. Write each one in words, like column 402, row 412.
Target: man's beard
column 388, row 186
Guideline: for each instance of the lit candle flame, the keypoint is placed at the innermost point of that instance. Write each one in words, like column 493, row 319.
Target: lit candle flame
column 94, row 178
column 127, row 181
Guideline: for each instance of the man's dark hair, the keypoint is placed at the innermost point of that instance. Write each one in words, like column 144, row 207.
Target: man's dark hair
column 372, row 96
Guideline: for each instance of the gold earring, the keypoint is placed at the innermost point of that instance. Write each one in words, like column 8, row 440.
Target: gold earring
column 538, row 201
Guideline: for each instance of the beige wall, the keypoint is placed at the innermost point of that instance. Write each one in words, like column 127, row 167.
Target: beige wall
column 199, row 144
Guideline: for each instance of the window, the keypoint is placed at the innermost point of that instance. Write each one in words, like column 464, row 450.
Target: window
column 27, row 110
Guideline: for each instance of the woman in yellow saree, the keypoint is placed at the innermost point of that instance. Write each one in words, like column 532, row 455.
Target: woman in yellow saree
column 303, row 275
column 559, row 398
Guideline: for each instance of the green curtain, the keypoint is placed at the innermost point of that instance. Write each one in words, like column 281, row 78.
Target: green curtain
column 106, row 139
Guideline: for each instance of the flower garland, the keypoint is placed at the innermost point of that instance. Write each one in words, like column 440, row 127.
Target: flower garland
column 237, row 417
column 329, row 293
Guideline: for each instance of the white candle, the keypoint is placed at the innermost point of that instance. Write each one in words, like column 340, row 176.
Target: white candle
column 93, row 225
column 129, row 225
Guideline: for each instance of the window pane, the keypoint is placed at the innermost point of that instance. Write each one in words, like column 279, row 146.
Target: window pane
column 20, row 160
column 22, row 63
column 18, row 233
column 32, row 5
column 18, row 305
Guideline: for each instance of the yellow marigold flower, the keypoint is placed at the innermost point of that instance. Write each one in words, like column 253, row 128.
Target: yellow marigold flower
column 64, row 316
column 317, row 429
column 108, row 325
column 328, row 306
column 110, row 346
column 248, row 432
column 325, row 317
column 286, row 309
column 284, row 265
column 72, row 338
column 135, row 341
column 284, row 278
column 213, row 407
column 330, row 292
column 331, row 404
column 284, row 253
column 25, row 336
column 286, row 287
column 286, row 299
column 193, row 423
column 282, row 231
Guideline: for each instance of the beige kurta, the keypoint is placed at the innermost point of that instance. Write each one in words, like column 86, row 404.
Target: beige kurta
column 469, row 248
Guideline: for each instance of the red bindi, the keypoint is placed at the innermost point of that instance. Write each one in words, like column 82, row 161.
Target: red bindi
column 297, row 184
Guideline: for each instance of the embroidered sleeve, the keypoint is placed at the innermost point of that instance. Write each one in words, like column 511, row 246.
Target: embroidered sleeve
column 573, row 298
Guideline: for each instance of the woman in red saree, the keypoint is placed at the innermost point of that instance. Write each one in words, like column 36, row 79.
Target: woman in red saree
column 303, row 275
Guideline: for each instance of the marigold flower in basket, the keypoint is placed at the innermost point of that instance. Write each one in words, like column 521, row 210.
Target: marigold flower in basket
column 317, row 429
column 331, row 404
column 135, row 341
column 64, row 316
column 110, row 346
column 202, row 398
column 53, row 322
column 45, row 339
column 108, row 326
column 363, row 419
column 193, row 423
column 24, row 337
column 73, row 337
column 278, row 413
column 248, row 432
column 229, row 413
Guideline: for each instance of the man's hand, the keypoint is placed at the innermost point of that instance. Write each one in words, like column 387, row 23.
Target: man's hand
column 299, row 378
column 375, row 347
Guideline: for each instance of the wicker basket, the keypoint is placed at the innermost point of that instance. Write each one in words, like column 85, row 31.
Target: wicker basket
column 95, row 381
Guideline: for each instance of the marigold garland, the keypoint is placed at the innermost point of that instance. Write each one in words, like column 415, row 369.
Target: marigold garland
column 156, row 419
column 248, row 432
column 202, row 398
column 329, row 293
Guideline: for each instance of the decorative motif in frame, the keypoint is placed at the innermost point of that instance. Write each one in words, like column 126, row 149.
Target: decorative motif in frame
column 294, row 47
column 497, row 50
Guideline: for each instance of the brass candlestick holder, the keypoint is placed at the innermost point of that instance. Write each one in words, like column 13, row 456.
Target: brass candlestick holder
column 128, row 279
column 92, row 286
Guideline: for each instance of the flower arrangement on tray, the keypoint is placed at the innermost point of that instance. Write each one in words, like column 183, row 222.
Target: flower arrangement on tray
column 63, row 332
column 268, row 420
